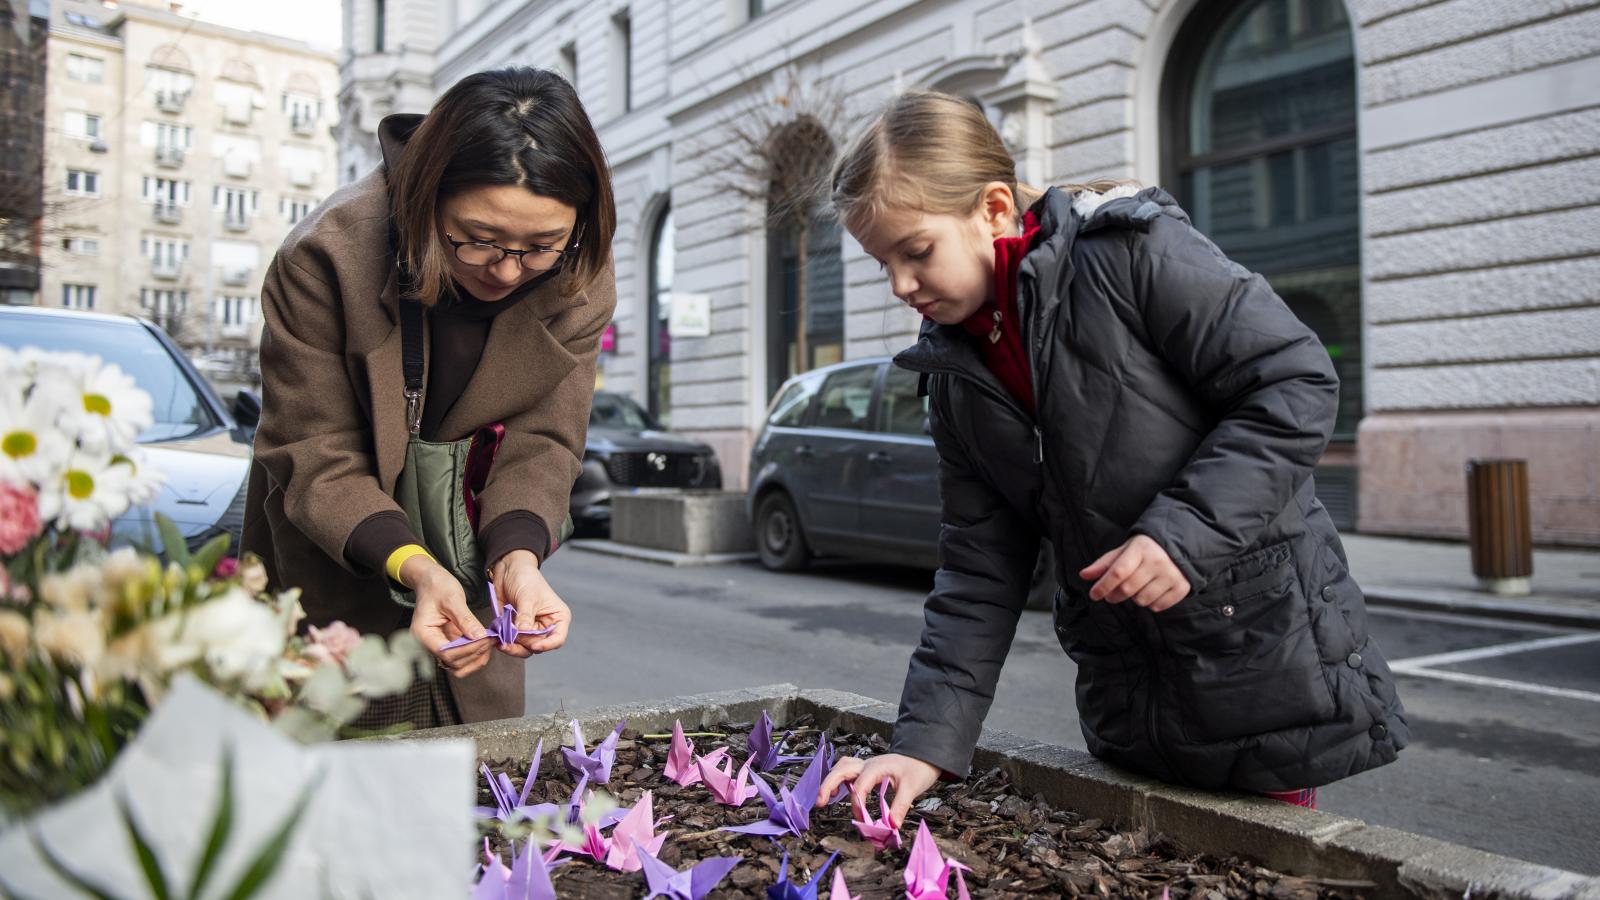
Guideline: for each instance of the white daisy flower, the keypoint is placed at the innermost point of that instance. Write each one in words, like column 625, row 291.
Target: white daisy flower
column 32, row 449
column 88, row 494
column 146, row 482
column 101, row 404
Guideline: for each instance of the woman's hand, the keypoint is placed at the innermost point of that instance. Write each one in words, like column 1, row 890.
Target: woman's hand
column 1139, row 570
column 518, row 582
column 908, row 779
column 442, row 616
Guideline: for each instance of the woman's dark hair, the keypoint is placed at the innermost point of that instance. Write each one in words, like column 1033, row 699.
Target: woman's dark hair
column 520, row 126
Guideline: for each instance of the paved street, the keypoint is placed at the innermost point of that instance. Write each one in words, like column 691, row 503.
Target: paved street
column 1505, row 716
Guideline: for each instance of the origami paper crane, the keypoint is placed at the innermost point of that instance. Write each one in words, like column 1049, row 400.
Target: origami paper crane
column 787, row 890
column 506, row 802
column 880, row 832
column 502, row 628
column 927, row 874
column 527, row 879
column 596, row 765
column 728, row 789
column 680, row 765
column 840, row 891
column 692, row 883
column 765, row 754
column 635, row 833
column 570, row 812
column 790, row 811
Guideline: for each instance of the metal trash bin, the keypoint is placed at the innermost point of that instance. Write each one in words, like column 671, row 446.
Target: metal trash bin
column 1498, row 526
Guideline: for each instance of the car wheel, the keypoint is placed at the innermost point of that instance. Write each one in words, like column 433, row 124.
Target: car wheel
column 778, row 538
column 1042, row 588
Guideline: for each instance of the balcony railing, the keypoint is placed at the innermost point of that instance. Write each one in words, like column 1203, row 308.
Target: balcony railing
column 168, row 213
column 236, row 221
column 305, row 126
column 236, row 277
column 169, row 157
column 166, row 269
column 171, row 101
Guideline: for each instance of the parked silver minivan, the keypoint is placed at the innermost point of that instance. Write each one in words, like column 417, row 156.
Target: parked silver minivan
column 845, row 467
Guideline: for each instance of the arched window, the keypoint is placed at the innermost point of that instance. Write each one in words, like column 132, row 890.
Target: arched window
column 1259, row 109
column 805, row 275
column 658, row 340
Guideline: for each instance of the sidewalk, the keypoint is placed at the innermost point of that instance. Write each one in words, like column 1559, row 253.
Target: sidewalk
column 1437, row 575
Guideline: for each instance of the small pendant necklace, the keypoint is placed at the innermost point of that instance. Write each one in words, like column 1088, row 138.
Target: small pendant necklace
column 994, row 335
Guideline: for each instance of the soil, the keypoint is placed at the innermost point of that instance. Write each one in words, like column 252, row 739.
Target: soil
column 1015, row 846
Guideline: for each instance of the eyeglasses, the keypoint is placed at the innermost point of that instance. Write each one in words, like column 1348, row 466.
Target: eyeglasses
column 483, row 253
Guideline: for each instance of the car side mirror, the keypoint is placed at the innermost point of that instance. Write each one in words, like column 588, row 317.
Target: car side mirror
column 247, row 409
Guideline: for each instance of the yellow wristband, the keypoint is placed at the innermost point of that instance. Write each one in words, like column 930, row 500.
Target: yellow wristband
column 398, row 558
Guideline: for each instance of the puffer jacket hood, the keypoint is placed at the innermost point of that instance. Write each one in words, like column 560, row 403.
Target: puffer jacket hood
column 1179, row 398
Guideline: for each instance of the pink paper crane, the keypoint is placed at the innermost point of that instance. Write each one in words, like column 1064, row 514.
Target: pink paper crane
column 927, row 874
column 636, row 831
column 841, row 891
column 728, row 789
column 681, row 766
column 880, row 832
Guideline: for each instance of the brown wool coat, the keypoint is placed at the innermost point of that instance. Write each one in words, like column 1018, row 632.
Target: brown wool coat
column 332, row 437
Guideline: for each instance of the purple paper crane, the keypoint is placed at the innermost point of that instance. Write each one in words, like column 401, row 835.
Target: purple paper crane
column 502, row 628
column 680, row 765
column 690, row 884
column 764, row 754
column 880, row 832
column 840, row 890
column 784, row 889
column 790, row 811
column 570, row 812
column 507, row 804
column 927, row 874
column 527, row 879
column 726, row 787
column 596, row 765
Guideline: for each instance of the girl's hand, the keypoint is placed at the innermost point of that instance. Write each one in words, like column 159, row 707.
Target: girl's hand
column 518, row 581
column 908, row 779
column 441, row 616
column 1139, row 570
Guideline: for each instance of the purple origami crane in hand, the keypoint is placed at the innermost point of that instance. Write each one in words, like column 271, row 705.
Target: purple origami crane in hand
column 764, row 754
column 790, row 812
column 728, row 789
column 527, row 879
column 635, row 833
column 596, row 765
column 502, row 628
column 881, row 832
column 691, row 884
column 507, row 802
column 784, row 889
column 681, row 766
column 927, row 873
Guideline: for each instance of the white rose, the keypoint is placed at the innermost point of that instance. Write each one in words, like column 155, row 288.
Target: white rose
column 74, row 637
column 14, row 631
column 238, row 637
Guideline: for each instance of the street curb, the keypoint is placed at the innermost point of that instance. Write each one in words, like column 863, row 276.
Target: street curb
column 661, row 557
column 1529, row 609
column 1283, row 837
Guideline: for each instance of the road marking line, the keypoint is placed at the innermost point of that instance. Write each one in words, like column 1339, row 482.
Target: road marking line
column 1466, row 620
column 1485, row 681
column 1490, row 652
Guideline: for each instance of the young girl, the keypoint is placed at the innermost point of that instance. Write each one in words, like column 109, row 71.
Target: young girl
column 444, row 311
column 1098, row 373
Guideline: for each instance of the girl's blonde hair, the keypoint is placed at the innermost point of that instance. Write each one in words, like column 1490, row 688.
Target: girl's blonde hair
column 933, row 153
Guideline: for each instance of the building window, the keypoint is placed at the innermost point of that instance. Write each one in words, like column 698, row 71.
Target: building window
column 83, row 126
column 805, row 275
column 294, row 210
column 83, row 183
column 234, row 314
column 81, row 246
column 237, row 205
column 167, row 191
column 86, row 68
column 622, row 62
column 378, row 25
column 165, row 308
column 569, row 63
column 755, row 9
column 77, row 296
column 658, row 337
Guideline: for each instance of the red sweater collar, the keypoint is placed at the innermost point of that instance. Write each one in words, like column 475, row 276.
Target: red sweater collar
column 1008, row 254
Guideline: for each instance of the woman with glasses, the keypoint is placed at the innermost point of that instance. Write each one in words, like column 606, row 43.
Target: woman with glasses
column 427, row 368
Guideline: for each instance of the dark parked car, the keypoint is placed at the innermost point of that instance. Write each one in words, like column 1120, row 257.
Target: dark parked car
column 627, row 449
column 201, row 447
column 845, row 467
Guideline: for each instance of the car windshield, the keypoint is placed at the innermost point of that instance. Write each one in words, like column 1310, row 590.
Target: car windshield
column 616, row 411
column 178, row 409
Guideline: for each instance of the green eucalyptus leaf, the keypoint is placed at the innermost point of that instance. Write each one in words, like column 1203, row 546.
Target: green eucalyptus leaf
column 172, row 541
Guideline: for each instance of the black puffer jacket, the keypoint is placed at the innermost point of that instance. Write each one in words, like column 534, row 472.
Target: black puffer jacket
column 1181, row 399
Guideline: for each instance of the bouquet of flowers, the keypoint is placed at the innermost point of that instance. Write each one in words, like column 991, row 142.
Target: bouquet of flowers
column 92, row 637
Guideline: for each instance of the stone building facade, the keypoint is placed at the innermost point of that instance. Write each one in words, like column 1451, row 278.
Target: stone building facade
column 21, row 148
column 1417, row 178
column 178, row 154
